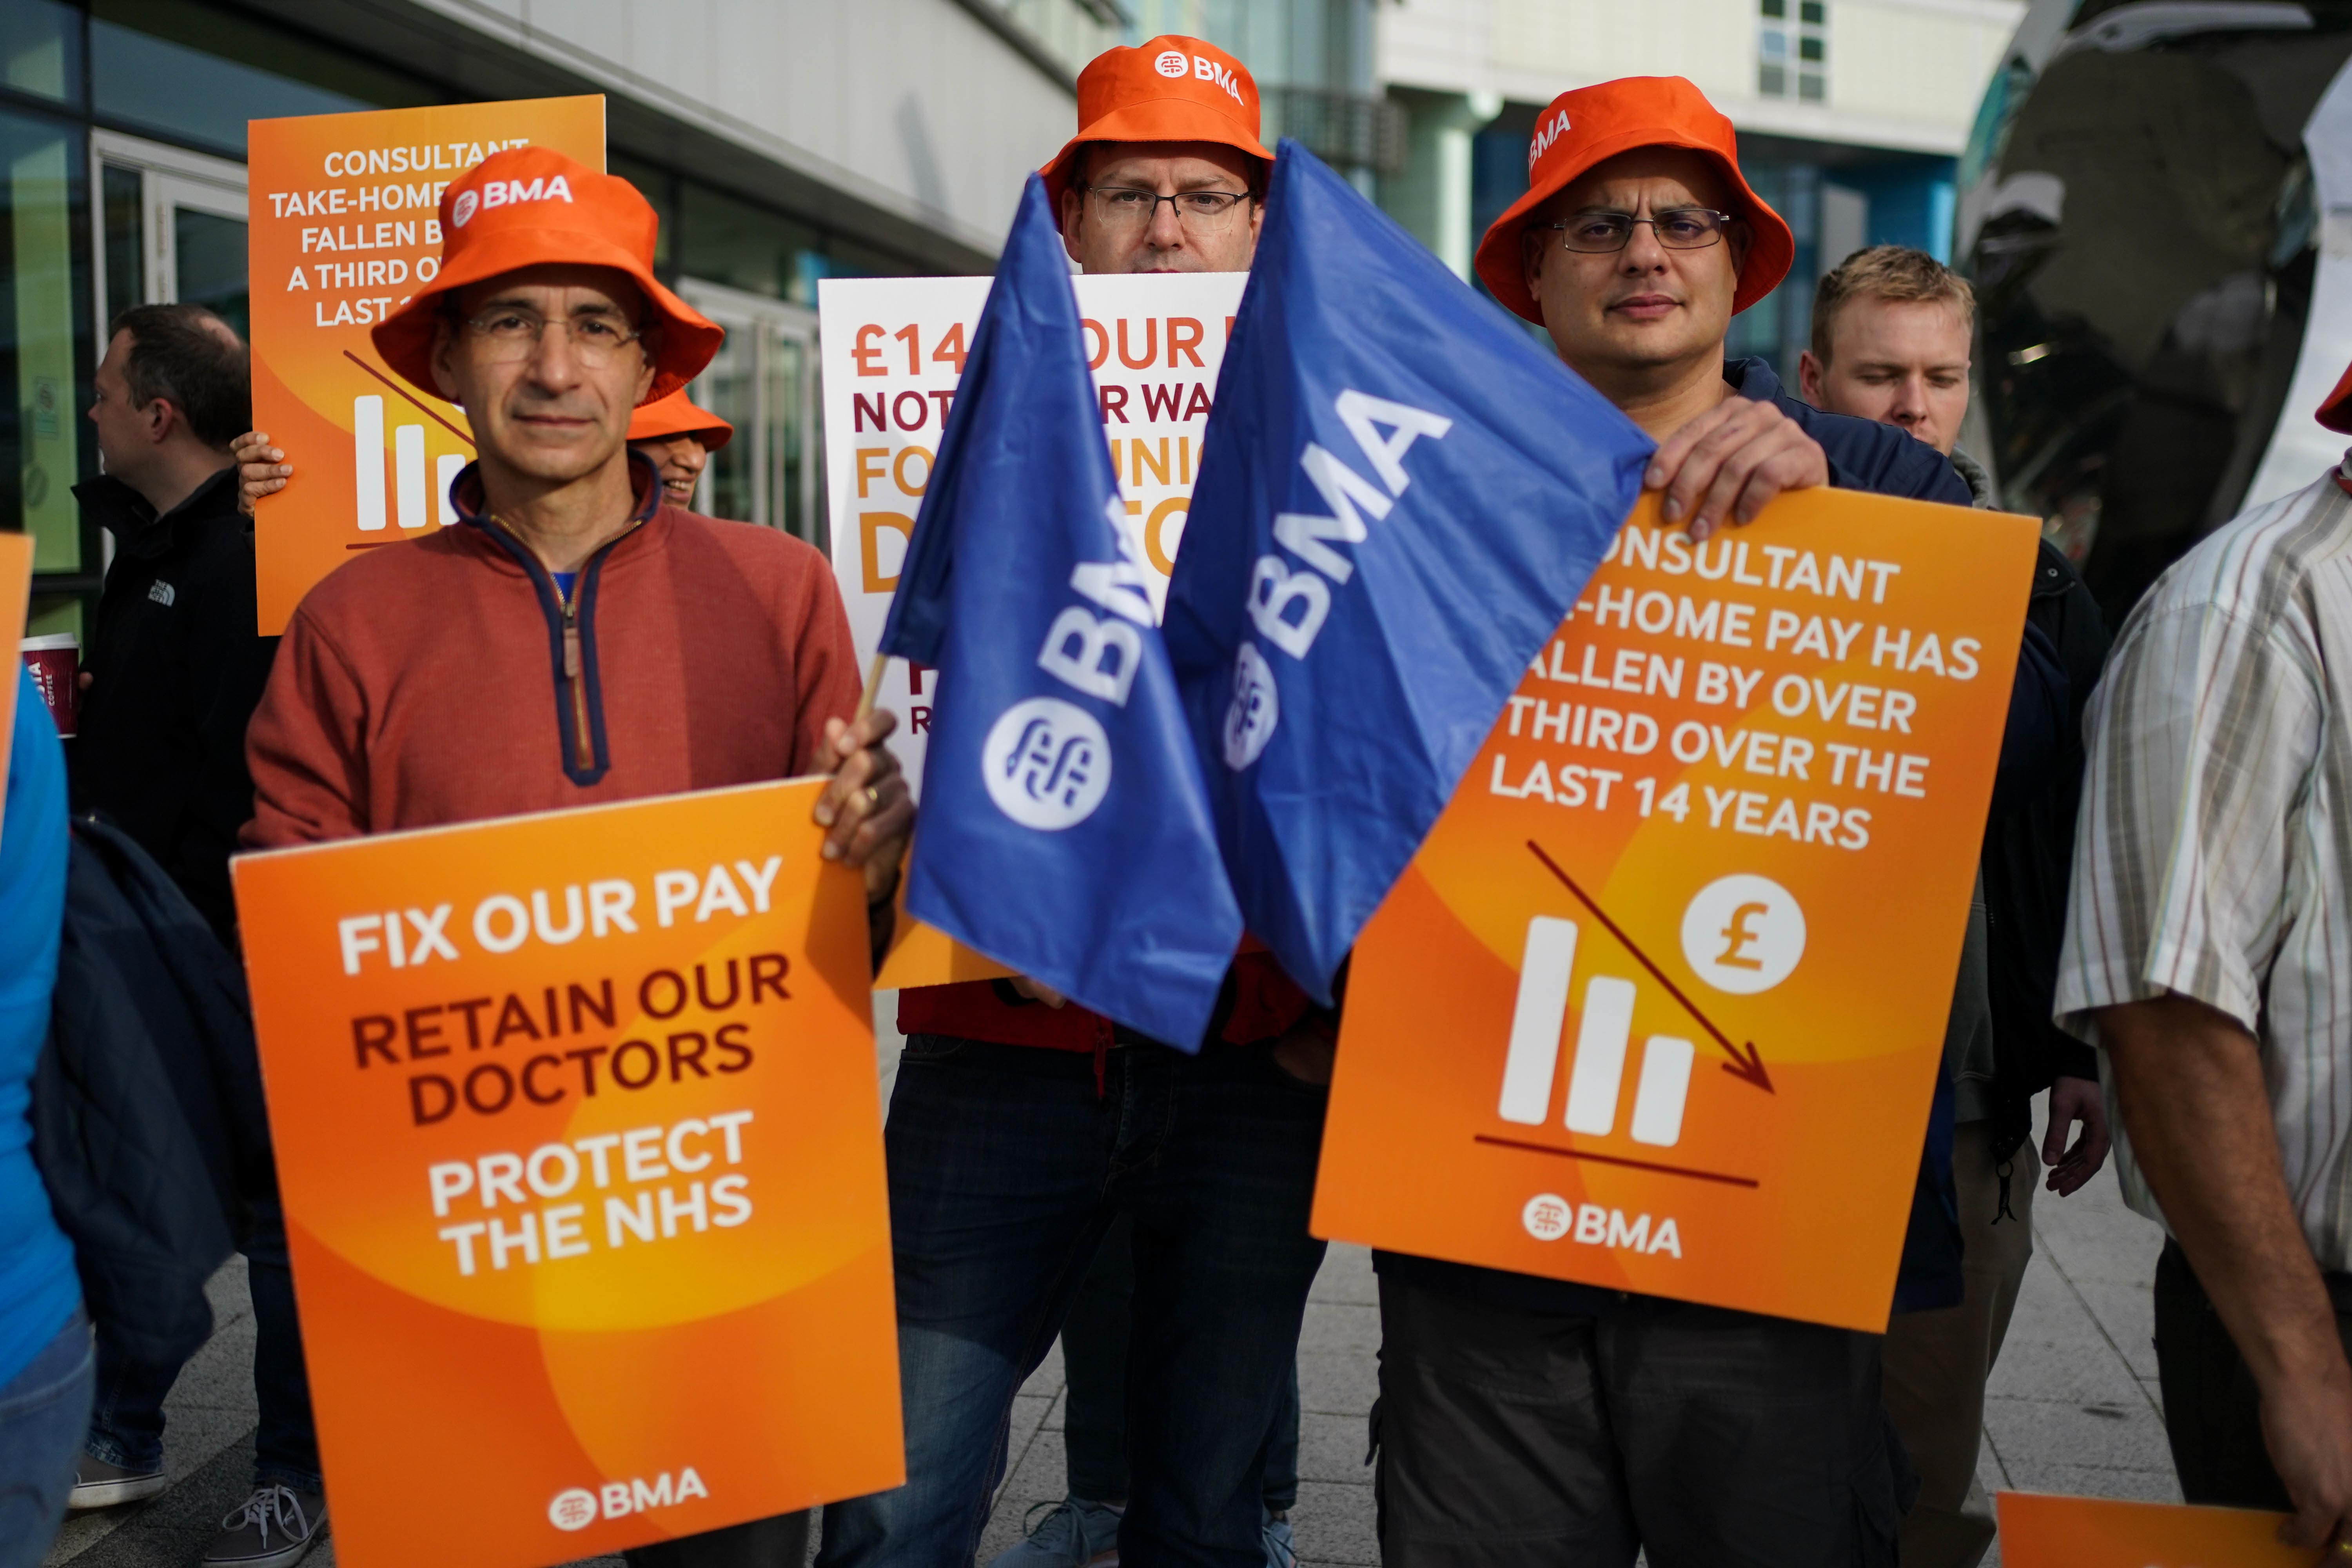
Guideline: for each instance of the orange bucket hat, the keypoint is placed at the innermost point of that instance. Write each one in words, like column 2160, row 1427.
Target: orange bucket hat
column 530, row 205
column 1172, row 88
column 1594, row 124
column 2336, row 412
column 676, row 416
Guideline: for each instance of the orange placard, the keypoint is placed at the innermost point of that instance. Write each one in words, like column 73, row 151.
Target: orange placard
column 2039, row 1531
column 16, row 599
column 921, row 955
column 1658, row 1006
column 582, row 1160
column 345, row 225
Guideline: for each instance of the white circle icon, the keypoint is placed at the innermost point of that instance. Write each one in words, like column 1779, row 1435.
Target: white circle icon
column 1047, row 763
column 573, row 1510
column 1256, row 709
column 1547, row 1217
column 461, row 213
column 1743, row 934
column 1171, row 62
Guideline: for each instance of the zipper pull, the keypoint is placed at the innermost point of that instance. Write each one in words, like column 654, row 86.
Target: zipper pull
column 570, row 648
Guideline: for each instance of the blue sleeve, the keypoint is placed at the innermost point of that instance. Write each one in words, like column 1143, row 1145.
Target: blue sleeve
column 1901, row 466
column 32, row 879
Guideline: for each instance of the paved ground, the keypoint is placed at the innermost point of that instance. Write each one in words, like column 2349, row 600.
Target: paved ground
column 2072, row 1407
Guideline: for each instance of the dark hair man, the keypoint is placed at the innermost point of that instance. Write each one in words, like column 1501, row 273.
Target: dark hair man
column 2208, row 958
column 174, row 667
column 574, row 639
column 1891, row 335
column 1525, row 1419
column 174, row 673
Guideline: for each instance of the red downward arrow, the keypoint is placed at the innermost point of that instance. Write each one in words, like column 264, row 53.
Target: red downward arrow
column 1745, row 1062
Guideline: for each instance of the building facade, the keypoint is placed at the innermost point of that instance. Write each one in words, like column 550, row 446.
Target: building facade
column 782, row 141
column 1851, row 114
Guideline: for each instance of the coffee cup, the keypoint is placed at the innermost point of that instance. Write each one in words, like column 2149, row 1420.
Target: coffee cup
column 56, row 662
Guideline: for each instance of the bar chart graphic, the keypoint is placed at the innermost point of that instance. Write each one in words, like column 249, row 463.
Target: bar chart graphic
column 410, row 497
column 1603, row 1043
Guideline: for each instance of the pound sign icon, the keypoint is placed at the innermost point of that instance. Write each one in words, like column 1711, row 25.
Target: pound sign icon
column 1738, row 934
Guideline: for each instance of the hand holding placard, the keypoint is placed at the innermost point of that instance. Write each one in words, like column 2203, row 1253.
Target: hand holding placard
column 575, row 1125
column 1677, row 957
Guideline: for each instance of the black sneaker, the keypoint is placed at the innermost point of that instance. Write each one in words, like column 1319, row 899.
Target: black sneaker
column 273, row 1529
column 98, row 1484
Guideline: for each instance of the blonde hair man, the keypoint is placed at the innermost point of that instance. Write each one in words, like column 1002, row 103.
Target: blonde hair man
column 1891, row 333
column 1892, row 328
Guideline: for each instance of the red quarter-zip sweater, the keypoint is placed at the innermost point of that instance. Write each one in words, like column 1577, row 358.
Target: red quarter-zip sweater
column 444, row 680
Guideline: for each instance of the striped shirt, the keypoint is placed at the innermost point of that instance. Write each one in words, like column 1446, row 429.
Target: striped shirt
column 2215, row 851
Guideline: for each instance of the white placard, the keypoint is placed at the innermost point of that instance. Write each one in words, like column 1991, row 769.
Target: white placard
column 893, row 352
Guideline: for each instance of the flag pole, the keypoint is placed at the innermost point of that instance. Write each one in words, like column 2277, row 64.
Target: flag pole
column 873, row 684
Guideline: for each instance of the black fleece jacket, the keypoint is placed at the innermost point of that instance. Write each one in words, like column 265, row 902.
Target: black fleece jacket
column 177, row 669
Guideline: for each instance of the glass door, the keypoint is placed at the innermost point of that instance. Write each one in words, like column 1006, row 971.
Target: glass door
column 172, row 228
column 764, row 382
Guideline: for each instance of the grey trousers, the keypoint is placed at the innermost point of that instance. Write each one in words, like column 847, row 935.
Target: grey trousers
column 1937, row 1362
column 1708, row 1438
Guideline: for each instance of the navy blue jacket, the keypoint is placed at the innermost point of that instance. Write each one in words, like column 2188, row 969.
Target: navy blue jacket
column 1863, row 455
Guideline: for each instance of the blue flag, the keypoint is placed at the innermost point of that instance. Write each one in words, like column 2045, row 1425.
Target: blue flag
column 1400, row 495
column 1065, row 828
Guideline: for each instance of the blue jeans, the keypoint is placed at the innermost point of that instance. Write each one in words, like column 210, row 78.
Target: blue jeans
column 44, row 1411
column 1007, row 1164
column 126, row 1428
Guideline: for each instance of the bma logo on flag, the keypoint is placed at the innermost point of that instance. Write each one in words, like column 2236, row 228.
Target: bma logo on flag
column 1256, row 709
column 1047, row 763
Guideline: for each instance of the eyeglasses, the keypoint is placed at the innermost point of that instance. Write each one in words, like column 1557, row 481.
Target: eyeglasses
column 1683, row 228
column 1202, row 212
column 514, row 334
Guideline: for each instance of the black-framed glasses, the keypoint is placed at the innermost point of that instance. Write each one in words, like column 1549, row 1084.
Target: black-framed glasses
column 1126, row 207
column 1683, row 228
column 513, row 333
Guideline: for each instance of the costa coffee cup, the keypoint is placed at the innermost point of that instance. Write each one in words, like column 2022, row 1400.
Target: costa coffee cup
column 55, row 662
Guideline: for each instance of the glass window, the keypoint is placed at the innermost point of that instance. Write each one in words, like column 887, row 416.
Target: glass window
column 654, row 184
column 40, row 49
column 126, row 274
column 208, row 255
column 201, row 74
column 44, row 336
column 1807, row 41
column 733, row 242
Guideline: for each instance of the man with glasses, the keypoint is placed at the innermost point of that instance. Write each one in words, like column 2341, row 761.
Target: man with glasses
column 1524, row 1419
column 1021, row 1128
column 573, row 640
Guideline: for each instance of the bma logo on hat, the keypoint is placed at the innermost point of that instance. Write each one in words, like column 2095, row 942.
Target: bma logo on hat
column 1171, row 62
column 1546, row 135
column 461, row 211
column 1047, row 763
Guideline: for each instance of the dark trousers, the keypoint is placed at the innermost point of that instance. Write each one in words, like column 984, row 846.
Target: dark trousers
column 2213, row 1412
column 1094, row 1357
column 126, row 1424
column 1708, row 1438
column 778, row 1542
column 1007, row 1165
